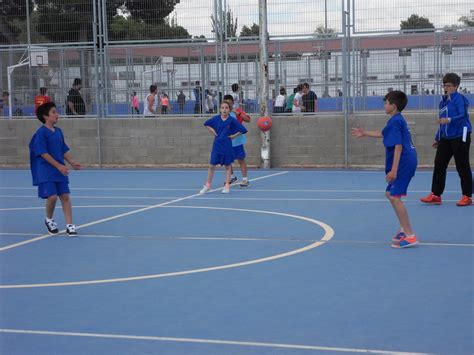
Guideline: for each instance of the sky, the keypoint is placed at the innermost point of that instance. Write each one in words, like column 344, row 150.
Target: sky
column 299, row 17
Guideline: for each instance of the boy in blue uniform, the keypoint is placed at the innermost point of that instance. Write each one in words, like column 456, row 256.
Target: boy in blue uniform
column 238, row 143
column 48, row 151
column 224, row 128
column 400, row 163
column 453, row 138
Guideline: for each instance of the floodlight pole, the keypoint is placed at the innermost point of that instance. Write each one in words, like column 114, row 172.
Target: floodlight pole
column 263, row 78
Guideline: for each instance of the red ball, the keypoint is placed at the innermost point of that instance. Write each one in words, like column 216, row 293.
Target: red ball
column 264, row 123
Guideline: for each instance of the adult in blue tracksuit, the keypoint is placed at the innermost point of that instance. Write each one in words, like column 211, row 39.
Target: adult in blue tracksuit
column 452, row 139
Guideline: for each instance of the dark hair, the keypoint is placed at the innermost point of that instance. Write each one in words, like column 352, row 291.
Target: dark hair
column 299, row 87
column 43, row 90
column 282, row 91
column 197, row 82
column 306, row 85
column 77, row 81
column 229, row 97
column 397, row 98
column 153, row 88
column 134, row 93
column 235, row 87
column 5, row 93
column 452, row 78
column 295, row 90
column 43, row 110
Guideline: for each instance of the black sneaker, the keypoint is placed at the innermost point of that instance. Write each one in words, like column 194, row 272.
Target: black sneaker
column 71, row 230
column 52, row 227
column 233, row 179
column 244, row 183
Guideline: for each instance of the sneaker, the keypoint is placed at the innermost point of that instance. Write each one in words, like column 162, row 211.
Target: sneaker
column 233, row 179
column 71, row 230
column 398, row 237
column 464, row 201
column 406, row 242
column 226, row 190
column 431, row 199
column 52, row 227
column 244, row 183
column 204, row 189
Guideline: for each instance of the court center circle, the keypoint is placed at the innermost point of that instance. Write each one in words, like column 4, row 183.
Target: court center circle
column 328, row 235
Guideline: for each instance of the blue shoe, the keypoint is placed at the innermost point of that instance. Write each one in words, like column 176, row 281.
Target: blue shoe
column 397, row 237
column 406, row 242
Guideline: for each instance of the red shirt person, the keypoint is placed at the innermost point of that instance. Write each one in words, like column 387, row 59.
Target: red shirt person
column 41, row 98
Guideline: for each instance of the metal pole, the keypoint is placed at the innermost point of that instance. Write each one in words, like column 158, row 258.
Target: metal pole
column 345, row 78
column 95, row 30
column 262, row 17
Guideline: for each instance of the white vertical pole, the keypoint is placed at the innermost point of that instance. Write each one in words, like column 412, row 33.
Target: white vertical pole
column 263, row 94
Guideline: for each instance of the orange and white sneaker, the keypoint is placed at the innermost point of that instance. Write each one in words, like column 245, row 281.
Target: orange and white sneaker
column 431, row 199
column 464, row 201
column 405, row 242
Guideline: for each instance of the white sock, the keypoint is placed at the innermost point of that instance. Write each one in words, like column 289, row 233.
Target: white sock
column 245, row 178
column 49, row 219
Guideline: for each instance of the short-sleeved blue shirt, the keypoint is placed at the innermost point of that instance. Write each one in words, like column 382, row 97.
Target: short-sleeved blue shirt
column 51, row 142
column 222, row 147
column 397, row 132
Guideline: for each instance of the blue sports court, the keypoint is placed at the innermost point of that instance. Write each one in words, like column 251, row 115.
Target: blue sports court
column 299, row 263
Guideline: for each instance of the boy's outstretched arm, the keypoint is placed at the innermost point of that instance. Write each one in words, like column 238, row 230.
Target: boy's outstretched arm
column 62, row 168
column 71, row 161
column 359, row 132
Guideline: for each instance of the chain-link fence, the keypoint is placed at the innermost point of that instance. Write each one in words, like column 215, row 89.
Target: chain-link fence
column 119, row 51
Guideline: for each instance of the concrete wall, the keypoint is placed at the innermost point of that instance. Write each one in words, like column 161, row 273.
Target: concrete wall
column 296, row 141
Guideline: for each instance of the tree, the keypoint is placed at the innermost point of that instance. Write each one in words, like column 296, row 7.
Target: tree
column 252, row 31
column 415, row 22
column 13, row 20
column 231, row 25
column 468, row 21
column 150, row 11
column 70, row 20
column 322, row 32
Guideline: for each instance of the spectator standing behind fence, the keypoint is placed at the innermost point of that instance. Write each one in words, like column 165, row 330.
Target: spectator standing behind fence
column 3, row 102
column 310, row 100
column 135, row 104
column 298, row 100
column 165, row 104
column 198, row 97
column 289, row 101
column 75, row 105
column 236, row 96
column 42, row 98
column 280, row 102
column 150, row 106
column 181, row 101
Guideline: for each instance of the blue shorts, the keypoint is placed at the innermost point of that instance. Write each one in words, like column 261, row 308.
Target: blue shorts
column 47, row 189
column 239, row 152
column 399, row 187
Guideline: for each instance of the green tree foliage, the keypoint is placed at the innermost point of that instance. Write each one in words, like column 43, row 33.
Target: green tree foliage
column 322, row 32
column 415, row 22
column 13, row 20
column 252, row 31
column 150, row 11
column 468, row 21
column 122, row 28
column 70, row 20
column 230, row 22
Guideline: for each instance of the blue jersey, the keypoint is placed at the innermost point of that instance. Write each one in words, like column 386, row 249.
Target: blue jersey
column 454, row 106
column 51, row 142
column 222, row 146
column 397, row 132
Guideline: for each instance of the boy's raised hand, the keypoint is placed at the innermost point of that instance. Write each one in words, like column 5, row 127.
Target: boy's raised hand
column 357, row 132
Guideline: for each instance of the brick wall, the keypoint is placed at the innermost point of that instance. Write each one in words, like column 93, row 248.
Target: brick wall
column 296, row 141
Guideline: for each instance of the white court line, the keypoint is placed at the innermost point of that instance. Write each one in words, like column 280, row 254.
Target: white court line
column 76, row 197
column 328, row 235
column 243, row 190
column 207, row 341
column 44, row 236
column 253, row 239
column 75, row 206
